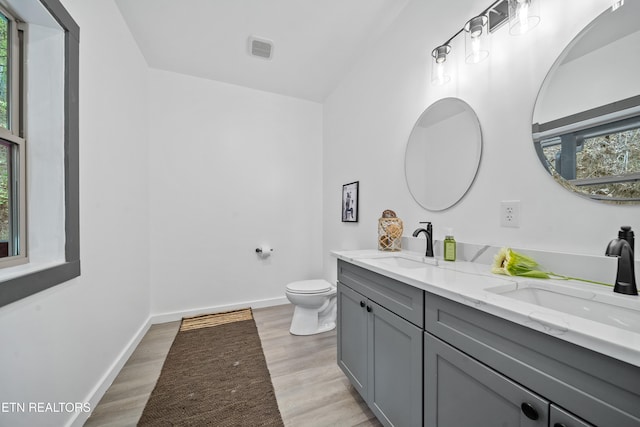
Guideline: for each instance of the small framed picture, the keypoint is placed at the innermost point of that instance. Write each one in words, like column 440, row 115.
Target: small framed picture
column 350, row 202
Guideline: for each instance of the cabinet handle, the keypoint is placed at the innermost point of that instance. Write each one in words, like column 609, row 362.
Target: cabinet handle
column 529, row 411
column 369, row 308
column 361, row 303
column 559, row 425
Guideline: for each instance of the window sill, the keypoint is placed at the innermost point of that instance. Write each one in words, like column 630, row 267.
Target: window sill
column 24, row 280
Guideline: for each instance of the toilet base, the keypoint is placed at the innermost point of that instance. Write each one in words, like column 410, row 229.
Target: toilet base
column 309, row 322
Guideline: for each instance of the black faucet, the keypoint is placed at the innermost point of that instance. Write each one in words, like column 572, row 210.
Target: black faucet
column 429, row 233
column 622, row 247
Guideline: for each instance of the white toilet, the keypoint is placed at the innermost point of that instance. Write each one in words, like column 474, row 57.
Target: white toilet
column 315, row 306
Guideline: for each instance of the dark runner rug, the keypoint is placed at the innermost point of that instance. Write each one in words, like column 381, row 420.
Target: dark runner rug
column 215, row 375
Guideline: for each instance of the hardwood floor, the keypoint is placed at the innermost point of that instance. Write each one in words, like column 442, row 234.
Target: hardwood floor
column 124, row 401
column 310, row 388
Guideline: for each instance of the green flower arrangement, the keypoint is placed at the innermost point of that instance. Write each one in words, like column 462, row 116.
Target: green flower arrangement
column 511, row 263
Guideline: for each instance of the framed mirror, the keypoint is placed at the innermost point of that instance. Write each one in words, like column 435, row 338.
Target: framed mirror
column 443, row 154
column 586, row 120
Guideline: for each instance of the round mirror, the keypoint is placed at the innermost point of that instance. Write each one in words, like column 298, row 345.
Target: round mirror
column 586, row 121
column 443, row 154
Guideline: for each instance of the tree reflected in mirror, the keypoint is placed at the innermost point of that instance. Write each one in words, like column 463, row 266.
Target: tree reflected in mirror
column 586, row 120
column 606, row 166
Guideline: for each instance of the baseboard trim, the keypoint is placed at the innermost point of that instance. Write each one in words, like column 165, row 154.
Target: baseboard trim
column 178, row 315
column 103, row 385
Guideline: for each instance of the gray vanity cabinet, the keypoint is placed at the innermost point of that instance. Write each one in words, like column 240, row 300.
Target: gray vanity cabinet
column 558, row 417
column 466, row 347
column 459, row 391
column 378, row 350
column 421, row 359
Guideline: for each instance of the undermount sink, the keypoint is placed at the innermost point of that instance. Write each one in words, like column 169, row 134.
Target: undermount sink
column 610, row 309
column 399, row 260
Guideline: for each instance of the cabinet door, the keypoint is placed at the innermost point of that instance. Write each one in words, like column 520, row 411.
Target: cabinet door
column 352, row 337
column 462, row 392
column 561, row 418
column 395, row 368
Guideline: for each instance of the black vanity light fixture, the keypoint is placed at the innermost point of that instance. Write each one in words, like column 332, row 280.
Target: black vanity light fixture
column 522, row 15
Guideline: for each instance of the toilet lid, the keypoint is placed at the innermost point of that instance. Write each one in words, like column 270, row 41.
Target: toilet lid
column 309, row 287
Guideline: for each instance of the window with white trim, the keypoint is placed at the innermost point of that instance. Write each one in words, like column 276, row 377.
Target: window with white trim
column 13, row 225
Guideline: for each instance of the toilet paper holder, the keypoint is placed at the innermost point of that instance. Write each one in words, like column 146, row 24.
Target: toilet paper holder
column 264, row 250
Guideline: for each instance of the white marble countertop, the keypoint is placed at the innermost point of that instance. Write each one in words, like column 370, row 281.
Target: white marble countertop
column 467, row 283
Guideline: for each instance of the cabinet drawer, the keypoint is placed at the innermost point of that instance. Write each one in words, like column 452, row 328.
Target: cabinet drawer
column 558, row 417
column 397, row 297
column 597, row 388
column 460, row 391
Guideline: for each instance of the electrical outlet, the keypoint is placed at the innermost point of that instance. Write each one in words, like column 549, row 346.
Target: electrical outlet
column 510, row 213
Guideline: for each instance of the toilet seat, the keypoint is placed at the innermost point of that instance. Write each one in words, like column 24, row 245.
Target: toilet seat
column 309, row 287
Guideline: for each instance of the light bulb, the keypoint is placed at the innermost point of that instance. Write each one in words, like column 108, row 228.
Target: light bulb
column 523, row 16
column 476, row 39
column 439, row 74
column 475, row 47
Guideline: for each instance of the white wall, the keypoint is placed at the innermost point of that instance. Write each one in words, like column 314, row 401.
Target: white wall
column 58, row 344
column 368, row 119
column 231, row 168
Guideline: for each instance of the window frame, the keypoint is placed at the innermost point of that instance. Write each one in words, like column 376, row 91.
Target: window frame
column 19, row 186
column 28, row 284
column 14, row 135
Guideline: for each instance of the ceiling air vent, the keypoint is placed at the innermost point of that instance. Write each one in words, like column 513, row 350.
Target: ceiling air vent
column 261, row 48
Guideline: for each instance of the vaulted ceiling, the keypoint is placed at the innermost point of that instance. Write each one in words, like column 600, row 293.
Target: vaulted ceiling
column 315, row 41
